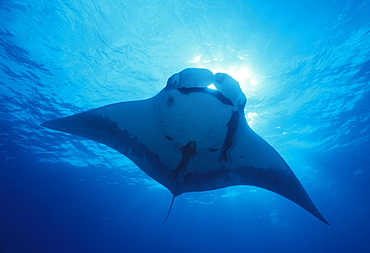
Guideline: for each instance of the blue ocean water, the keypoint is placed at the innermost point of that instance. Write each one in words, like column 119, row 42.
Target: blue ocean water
column 304, row 67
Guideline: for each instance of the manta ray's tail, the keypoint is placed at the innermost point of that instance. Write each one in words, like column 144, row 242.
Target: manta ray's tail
column 169, row 211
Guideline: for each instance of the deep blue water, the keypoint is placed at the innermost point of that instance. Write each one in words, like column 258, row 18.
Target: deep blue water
column 303, row 65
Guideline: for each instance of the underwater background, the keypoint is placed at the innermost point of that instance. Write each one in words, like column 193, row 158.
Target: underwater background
column 303, row 65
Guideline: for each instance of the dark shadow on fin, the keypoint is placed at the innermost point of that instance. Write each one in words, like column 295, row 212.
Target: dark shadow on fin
column 228, row 142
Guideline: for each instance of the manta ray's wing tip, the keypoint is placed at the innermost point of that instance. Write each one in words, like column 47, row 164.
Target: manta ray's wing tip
column 46, row 124
column 52, row 124
column 321, row 218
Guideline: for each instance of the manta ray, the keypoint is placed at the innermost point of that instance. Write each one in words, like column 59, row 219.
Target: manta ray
column 191, row 138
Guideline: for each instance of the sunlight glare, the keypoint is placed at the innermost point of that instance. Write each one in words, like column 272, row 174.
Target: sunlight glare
column 253, row 82
column 197, row 59
column 212, row 86
column 241, row 75
column 251, row 116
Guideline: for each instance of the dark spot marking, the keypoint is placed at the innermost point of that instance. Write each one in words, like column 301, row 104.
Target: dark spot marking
column 170, row 101
column 213, row 149
column 168, row 138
